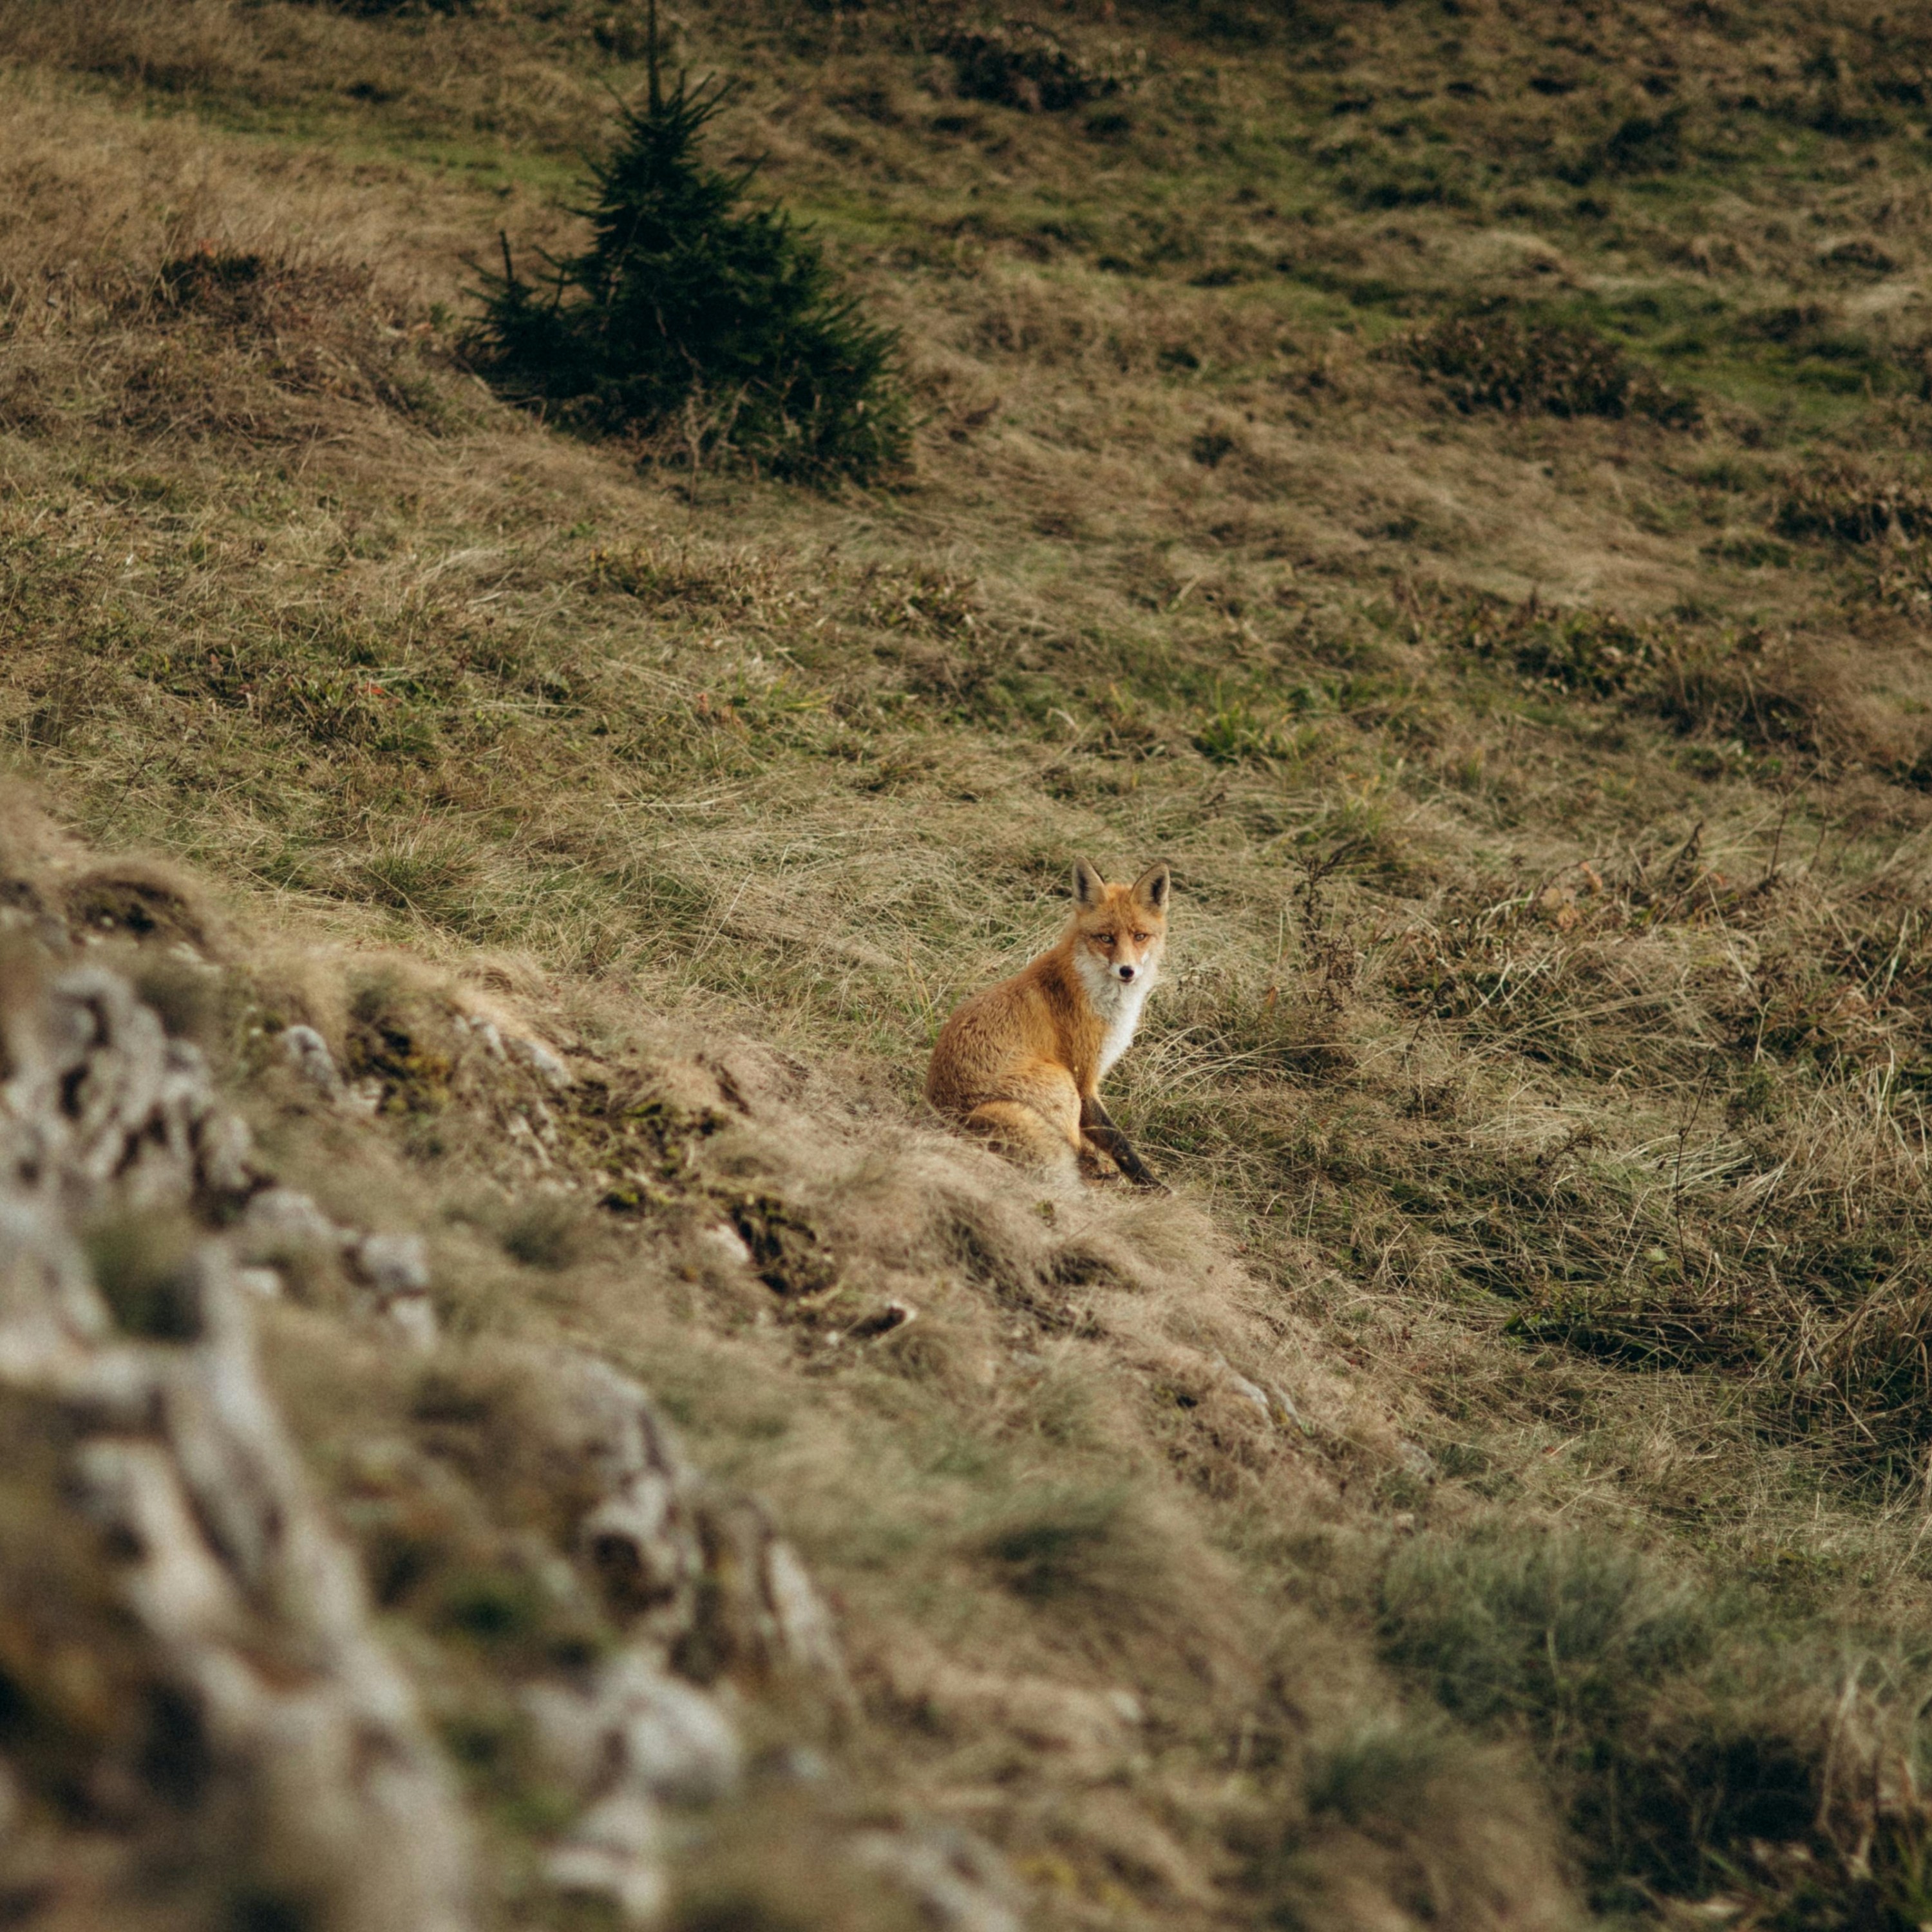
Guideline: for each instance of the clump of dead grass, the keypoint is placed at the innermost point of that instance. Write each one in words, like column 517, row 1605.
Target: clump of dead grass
column 186, row 49
column 1847, row 502
column 1632, row 1683
column 1763, row 690
column 190, row 308
column 1495, row 362
column 1020, row 63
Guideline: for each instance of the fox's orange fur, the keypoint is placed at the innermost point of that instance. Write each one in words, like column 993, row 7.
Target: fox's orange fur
column 1022, row 1062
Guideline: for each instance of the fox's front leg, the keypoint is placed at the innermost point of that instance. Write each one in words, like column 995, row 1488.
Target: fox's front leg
column 1096, row 1124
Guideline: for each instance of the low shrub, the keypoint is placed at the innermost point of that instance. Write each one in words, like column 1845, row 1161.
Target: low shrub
column 1018, row 64
column 1865, row 1374
column 1645, row 143
column 254, row 294
column 1847, row 504
column 1589, row 651
column 691, row 314
column 1562, row 1633
column 1496, row 362
column 1761, row 690
column 227, row 282
column 1237, row 734
column 1383, row 1771
column 380, row 9
column 1691, row 1751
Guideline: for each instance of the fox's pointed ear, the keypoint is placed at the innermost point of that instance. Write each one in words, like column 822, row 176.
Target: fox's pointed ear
column 1089, row 888
column 1150, row 888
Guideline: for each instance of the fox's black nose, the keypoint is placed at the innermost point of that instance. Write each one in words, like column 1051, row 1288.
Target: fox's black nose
column 1125, row 972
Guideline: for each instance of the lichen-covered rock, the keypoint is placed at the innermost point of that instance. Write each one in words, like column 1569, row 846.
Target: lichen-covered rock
column 697, row 1570
column 279, row 1216
column 641, row 1539
column 98, row 1094
column 617, row 1851
column 707, row 1592
column 252, row 1610
column 961, row 1882
column 307, row 1052
column 396, row 1268
column 762, row 1618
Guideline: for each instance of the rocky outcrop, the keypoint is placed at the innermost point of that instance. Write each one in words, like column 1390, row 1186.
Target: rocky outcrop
column 251, row 1609
column 706, row 1590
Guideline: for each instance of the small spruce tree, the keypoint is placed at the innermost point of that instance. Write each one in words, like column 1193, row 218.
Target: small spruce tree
column 689, row 307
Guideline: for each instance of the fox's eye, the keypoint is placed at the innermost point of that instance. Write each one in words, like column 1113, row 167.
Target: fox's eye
column 1142, row 938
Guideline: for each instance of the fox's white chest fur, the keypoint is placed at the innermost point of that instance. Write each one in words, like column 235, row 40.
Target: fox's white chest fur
column 1118, row 1006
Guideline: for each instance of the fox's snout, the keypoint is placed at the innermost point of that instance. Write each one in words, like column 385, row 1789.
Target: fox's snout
column 1124, row 972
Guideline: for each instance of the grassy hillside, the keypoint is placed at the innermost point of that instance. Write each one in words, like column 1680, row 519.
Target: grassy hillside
column 1451, row 479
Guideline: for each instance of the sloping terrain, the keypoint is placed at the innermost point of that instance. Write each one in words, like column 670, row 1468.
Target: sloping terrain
column 1451, row 482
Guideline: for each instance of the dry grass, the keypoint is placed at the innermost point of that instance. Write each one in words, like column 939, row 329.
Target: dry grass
column 1542, row 1063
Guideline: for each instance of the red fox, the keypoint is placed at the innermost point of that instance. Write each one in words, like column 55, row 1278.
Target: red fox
column 1022, row 1062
